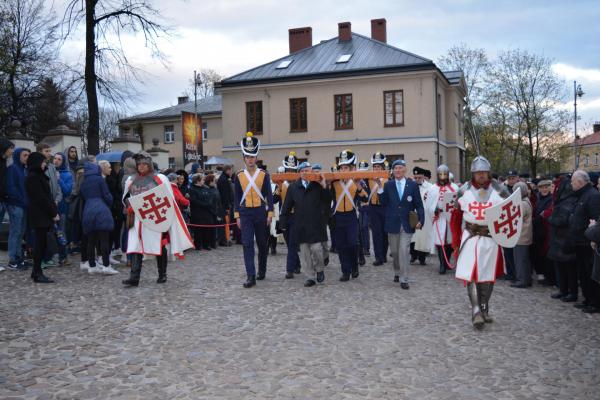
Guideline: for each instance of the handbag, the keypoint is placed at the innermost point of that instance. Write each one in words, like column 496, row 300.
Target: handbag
column 413, row 219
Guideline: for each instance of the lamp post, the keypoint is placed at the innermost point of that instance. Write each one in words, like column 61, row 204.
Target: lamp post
column 197, row 82
column 577, row 92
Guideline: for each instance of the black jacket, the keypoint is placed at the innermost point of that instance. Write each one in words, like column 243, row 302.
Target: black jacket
column 561, row 244
column 114, row 187
column 225, row 191
column 308, row 206
column 42, row 208
column 203, row 207
column 587, row 207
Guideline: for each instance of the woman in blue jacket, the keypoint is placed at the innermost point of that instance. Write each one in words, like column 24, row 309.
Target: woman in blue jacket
column 65, row 181
column 97, row 220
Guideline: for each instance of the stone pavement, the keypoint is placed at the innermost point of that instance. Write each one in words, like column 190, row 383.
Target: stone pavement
column 202, row 336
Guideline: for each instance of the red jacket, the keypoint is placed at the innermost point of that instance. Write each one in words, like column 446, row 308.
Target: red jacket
column 181, row 201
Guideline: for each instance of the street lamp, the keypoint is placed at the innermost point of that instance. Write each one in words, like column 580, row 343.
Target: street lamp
column 197, row 82
column 577, row 92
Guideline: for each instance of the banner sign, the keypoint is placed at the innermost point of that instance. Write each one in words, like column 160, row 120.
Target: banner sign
column 191, row 132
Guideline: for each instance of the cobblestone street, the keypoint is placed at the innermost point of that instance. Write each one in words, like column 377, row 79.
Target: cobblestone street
column 201, row 335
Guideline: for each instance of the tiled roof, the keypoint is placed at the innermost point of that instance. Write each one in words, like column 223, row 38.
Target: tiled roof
column 594, row 138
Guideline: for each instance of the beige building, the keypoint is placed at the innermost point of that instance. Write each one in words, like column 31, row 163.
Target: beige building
column 588, row 152
column 348, row 92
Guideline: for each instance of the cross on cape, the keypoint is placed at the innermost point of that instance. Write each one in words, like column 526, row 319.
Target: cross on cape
column 478, row 209
column 155, row 210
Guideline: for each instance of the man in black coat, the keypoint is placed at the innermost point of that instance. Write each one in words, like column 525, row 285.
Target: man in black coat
column 586, row 209
column 226, row 194
column 307, row 200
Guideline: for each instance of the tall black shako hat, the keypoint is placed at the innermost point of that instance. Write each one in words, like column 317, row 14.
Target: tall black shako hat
column 378, row 158
column 290, row 161
column 250, row 145
column 347, row 157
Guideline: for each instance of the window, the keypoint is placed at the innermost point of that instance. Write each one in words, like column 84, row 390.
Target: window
column 393, row 105
column 586, row 160
column 461, row 126
column 284, row 64
column 204, row 130
column 343, row 111
column 169, row 133
column 344, row 58
column 438, row 110
column 172, row 162
column 595, row 158
column 254, row 120
column 298, row 115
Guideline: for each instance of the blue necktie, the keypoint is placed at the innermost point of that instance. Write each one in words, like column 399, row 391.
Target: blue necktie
column 400, row 189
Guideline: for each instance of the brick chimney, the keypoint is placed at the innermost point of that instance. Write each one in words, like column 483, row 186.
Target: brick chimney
column 182, row 99
column 379, row 30
column 344, row 31
column 596, row 126
column 300, row 38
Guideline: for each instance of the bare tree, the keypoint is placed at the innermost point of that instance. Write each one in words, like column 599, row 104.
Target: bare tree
column 28, row 41
column 206, row 88
column 107, row 67
column 474, row 64
column 528, row 89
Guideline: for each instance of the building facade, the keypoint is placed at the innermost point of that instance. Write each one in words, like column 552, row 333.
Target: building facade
column 588, row 152
column 348, row 92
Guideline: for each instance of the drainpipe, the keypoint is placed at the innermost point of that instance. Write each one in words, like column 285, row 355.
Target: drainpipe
column 437, row 125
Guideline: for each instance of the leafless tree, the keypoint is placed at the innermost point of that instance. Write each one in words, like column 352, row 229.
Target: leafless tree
column 29, row 41
column 529, row 90
column 107, row 67
column 206, row 88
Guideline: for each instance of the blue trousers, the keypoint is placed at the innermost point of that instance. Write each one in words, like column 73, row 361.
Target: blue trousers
column 510, row 262
column 380, row 239
column 254, row 225
column 346, row 232
column 293, row 259
column 363, row 221
column 16, row 232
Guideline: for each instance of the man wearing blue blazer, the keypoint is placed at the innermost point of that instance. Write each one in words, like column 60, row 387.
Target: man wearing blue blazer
column 400, row 196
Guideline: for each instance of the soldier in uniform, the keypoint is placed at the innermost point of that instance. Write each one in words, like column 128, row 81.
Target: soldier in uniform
column 143, row 241
column 479, row 258
column 292, row 265
column 377, row 212
column 440, row 234
column 345, row 194
column 253, row 209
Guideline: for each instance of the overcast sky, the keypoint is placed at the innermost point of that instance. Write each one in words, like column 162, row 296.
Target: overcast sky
column 231, row 36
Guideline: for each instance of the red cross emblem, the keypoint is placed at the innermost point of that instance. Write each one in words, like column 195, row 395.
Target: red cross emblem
column 156, row 211
column 509, row 218
column 478, row 209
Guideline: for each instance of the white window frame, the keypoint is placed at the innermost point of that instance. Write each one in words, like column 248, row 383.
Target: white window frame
column 204, row 130
column 171, row 133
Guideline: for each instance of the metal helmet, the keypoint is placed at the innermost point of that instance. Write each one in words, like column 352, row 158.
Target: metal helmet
column 443, row 168
column 480, row 164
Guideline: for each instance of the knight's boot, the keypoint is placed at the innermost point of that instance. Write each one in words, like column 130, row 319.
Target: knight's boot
column 161, row 263
column 486, row 292
column 136, row 270
column 477, row 317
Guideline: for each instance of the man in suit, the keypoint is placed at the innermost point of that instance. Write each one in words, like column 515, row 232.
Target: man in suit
column 400, row 196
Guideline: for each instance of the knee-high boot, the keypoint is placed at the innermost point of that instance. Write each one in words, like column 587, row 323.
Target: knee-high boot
column 485, row 290
column 136, row 270
column 161, row 264
column 476, row 317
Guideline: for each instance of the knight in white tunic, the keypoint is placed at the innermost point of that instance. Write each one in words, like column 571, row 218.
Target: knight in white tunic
column 421, row 240
column 438, row 208
column 479, row 261
column 142, row 240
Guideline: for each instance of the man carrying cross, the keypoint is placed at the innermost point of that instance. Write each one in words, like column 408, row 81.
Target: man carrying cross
column 479, row 258
column 253, row 209
column 377, row 211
